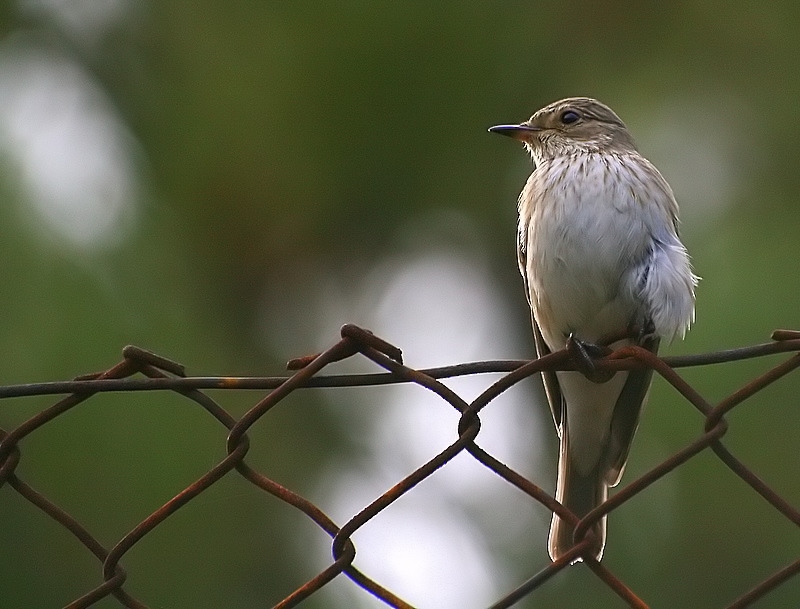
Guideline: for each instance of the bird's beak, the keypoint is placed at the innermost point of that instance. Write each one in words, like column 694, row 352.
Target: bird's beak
column 521, row 132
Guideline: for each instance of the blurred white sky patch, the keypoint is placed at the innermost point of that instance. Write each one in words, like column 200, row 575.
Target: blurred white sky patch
column 422, row 548
column 85, row 21
column 68, row 150
column 434, row 297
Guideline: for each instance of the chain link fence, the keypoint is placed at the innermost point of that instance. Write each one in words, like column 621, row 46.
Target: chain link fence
column 142, row 370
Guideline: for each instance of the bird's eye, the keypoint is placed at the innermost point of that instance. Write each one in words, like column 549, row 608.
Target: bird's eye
column 569, row 117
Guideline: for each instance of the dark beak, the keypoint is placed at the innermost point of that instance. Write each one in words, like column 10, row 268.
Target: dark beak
column 518, row 132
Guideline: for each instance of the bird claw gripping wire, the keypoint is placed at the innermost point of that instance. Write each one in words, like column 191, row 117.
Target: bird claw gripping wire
column 584, row 355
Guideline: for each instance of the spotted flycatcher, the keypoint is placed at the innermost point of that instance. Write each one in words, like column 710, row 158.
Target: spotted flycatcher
column 600, row 256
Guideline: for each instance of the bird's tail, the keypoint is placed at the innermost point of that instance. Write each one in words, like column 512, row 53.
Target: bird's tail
column 580, row 494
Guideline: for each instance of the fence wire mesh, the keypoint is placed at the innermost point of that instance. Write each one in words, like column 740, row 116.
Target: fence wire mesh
column 141, row 370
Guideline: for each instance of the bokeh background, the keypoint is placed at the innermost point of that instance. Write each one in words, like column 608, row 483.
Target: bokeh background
column 227, row 183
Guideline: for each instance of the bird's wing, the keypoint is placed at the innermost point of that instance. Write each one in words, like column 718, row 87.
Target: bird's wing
column 551, row 387
column 625, row 419
column 549, row 379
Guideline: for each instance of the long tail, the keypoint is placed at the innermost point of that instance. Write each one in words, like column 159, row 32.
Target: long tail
column 580, row 495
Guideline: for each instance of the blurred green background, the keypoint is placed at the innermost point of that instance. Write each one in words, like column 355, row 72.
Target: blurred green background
column 227, row 183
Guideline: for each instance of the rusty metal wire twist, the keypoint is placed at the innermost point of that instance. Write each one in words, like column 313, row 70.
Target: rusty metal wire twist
column 161, row 374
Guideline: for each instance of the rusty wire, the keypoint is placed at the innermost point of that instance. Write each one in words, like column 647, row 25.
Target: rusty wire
column 158, row 373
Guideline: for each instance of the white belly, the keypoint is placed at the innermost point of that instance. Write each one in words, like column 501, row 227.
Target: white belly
column 583, row 245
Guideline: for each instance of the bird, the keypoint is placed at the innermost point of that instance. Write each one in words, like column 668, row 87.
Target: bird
column 603, row 266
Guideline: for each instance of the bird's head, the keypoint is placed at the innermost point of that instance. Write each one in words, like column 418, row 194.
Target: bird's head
column 571, row 125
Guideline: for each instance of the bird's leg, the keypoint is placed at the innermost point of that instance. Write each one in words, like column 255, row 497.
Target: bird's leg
column 642, row 333
column 648, row 331
column 584, row 355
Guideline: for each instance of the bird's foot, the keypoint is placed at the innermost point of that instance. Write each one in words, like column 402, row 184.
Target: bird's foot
column 584, row 355
column 644, row 334
column 642, row 329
